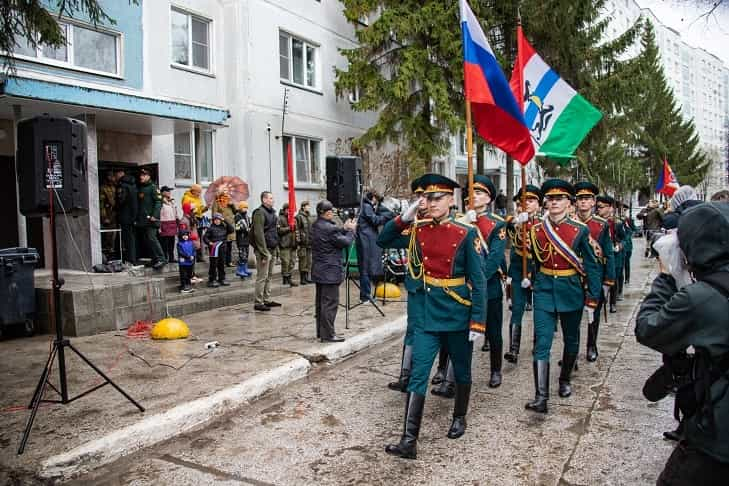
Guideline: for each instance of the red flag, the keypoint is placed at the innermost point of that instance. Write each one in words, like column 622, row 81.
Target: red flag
column 292, row 191
column 667, row 181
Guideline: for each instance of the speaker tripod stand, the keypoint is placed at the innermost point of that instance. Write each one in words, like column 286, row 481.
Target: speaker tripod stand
column 60, row 343
column 350, row 278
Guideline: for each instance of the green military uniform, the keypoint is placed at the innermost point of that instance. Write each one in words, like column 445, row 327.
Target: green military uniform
column 448, row 294
column 617, row 236
column 564, row 256
column 493, row 231
column 629, row 226
column 107, row 214
column 150, row 204
column 303, row 242
column 603, row 248
column 519, row 294
column 402, row 240
column 286, row 245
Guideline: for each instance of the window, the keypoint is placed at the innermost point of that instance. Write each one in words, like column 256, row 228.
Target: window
column 462, row 142
column 307, row 159
column 85, row 48
column 298, row 60
column 194, row 155
column 190, row 40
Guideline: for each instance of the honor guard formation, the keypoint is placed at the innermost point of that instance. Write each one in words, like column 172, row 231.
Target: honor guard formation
column 561, row 266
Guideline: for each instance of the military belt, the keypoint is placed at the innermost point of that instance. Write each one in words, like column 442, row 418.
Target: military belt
column 567, row 272
column 445, row 284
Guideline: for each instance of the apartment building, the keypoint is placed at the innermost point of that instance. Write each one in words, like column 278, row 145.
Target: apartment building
column 193, row 90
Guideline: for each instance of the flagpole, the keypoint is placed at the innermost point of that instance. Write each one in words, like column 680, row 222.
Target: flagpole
column 469, row 152
column 524, row 224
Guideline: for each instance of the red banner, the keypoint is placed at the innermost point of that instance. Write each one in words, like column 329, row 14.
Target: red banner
column 292, row 190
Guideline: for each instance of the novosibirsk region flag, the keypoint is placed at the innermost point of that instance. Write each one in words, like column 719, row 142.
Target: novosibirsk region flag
column 557, row 116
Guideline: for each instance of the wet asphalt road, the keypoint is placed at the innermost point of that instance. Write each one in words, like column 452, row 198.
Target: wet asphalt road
column 331, row 428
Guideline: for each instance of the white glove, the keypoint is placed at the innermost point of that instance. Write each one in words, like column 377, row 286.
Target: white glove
column 590, row 313
column 526, row 283
column 409, row 215
column 508, row 280
column 606, row 290
column 473, row 335
column 471, row 216
column 522, row 218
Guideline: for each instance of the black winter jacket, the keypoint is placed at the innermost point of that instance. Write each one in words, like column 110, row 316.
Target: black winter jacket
column 327, row 242
column 217, row 232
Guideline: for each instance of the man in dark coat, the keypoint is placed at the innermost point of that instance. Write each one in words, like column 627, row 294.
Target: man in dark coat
column 652, row 218
column 369, row 255
column 327, row 270
column 671, row 320
column 150, row 204
column 127, row 202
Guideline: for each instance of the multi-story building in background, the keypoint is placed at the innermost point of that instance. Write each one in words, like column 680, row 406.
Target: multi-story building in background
column 192, row 89
column 700, row 83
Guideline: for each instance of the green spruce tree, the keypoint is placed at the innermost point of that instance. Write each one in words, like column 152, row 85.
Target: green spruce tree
column 660, row 129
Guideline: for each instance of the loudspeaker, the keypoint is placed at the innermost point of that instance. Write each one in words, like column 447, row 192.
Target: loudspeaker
column 344, row 181
column 52, row 154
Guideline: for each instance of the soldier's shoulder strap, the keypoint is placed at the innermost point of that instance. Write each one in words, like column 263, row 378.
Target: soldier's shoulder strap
column 599, row 219
column 496, row 217
column 576, row 222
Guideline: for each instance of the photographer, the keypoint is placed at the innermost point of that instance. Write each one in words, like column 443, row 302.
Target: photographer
column 369, row 255
column 327, row 271
column 675, row 316
column 652, row 218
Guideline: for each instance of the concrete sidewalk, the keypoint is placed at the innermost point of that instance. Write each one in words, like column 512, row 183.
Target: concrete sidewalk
column 180, row 383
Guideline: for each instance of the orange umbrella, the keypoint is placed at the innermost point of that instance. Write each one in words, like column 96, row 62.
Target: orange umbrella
column 236, row 188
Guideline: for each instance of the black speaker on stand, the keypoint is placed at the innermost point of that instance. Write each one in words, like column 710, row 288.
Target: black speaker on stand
column 344, row 181
column 52, row 176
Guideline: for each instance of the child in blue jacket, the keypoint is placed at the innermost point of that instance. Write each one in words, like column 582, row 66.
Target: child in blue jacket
column 186, row 260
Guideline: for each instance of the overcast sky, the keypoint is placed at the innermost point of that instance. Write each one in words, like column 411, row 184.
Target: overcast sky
column 709, row 32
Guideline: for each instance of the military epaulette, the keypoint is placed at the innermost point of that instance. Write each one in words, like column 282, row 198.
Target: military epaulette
column 599, row 219
column 423, row 221
column 462, row 223
column 496, row 217
column 577, row 222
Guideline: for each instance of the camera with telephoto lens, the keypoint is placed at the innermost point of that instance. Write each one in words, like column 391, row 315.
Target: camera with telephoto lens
column 672, row 375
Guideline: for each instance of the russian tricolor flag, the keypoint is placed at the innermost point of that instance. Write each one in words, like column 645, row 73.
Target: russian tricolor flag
column 496, row 114
column 667, row 181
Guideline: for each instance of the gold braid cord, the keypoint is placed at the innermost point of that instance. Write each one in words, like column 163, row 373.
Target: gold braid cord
column 414, row 262
column 539, row 249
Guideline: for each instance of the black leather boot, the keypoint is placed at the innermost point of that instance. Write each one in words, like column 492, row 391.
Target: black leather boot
column 407, row 448
column 591, row 354
column 402, row 383
column 513, row 355
column 486, row 344
column 565, row 374
column 446, row 388
column 495, row 358
column 440, row 375
column 302, row 278
column 458, row 426
column 541, row 385
column 285, row 280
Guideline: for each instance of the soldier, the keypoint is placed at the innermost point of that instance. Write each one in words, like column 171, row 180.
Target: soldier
column 407, row 350
column 603, row 247
column 108, row 212
column 630, row 229
column 605, row 210
column 493, row 231
column 564, row 257
column 303, row 242
column 448, row 294
column 150, row 204
column 286, row 245
column 519, row 293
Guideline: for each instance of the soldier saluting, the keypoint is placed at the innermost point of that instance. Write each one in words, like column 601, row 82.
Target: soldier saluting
column 520, row 283
column 564, row 257
column 603, row 246
column 448, row 291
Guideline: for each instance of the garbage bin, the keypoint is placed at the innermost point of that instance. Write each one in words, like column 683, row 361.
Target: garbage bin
column 17, row 289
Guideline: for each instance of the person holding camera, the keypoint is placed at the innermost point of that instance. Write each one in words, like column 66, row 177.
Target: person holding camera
column 327, row 269
column 369, row 255
column 678, row 314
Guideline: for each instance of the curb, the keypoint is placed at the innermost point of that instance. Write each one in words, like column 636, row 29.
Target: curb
column 159, row 427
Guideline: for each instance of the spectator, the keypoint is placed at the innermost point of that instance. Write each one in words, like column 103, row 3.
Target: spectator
column 303, row 242
column 189, row 222
column 327, row 271
column 216, row 237
column 652, row 217
column 127, row 202
column 242, row 238
column 369, row 255
column 150, row 204
column 286, row 246
column 676, row 316
column 721, row 196
column 500, row 203
column 194, row 197
column 265, row 242
column 186, row 260
column 108, row 212
column 684, row 198
column 225, row 207
column 169, row 218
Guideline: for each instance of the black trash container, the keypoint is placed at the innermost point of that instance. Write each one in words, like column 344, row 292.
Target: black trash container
column 17, row 290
